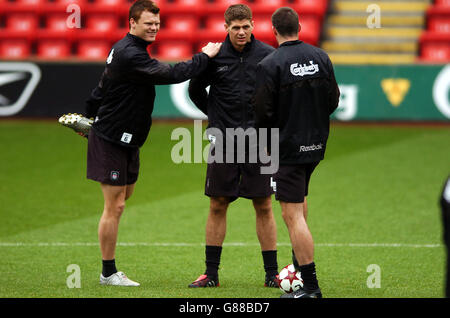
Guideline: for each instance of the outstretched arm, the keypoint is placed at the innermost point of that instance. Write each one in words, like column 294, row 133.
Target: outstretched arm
column 144, row 69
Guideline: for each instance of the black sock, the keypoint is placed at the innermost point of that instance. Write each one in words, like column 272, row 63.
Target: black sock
column 270, row 263
column 294, row 261
column 109, row 267
column 308, row 273
column 212, row 260
column 309, row 277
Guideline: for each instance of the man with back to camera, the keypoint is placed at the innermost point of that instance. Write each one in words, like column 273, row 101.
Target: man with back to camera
column 122, row 104
column 445, row 209
column 231, row 75
column 296, row 92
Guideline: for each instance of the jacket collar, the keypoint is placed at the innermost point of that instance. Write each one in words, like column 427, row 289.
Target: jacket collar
column 247, row 46
column 138, row 40
column 288, row 43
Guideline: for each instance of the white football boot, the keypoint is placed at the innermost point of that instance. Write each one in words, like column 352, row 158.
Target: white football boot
column 77, row 122
column 117, row 279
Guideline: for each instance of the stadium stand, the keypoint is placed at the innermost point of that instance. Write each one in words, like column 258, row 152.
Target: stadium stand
column 46, row 29
column 435, row 40
column 353, row 34
column 410, row 30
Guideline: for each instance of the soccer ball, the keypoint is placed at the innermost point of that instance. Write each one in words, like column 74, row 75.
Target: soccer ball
column 289, row 279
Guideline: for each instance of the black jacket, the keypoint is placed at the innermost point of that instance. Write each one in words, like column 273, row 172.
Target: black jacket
column 124, row 98
column 296, row 91
column 231, row 75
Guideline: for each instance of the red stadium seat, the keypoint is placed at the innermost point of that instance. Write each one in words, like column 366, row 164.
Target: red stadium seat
column 102, row 22
column 20, row 26
column 67, row 2
column 219, row 6
column 109, row 2
column 56, row 27
column 263, row 28
column 434, row 46
column 214, row 30
column 56, row 23
column 14, row 49
column 439, row 24
column 181, row 27
column 435, row 52
column 30, row 2
column 439, row 10
column 173, row 51
column 22, row 6
column 267, row 6
column 93, row 49
column 310, row 29
column 53, row 49
column 181, row 23
column 62, row 6
column 263, row 24
column 316, row 7
column 23, row 22
column 226, row 3
column 442, row 2
column 194, row 7
column 119, row 7
column 99, row 26
column 271, row 3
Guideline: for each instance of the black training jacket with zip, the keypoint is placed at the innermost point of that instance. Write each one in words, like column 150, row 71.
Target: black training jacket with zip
column 124, row 99
column 296, row 91
column 231, row 75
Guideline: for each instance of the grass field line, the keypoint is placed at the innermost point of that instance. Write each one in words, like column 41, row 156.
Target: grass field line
column 181, row 244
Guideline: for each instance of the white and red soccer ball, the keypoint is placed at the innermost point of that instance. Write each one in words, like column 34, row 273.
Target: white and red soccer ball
column 289, row 279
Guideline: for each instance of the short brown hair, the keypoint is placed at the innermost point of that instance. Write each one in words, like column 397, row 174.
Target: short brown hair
column 140, row 6
column 285, row 21
column 237, row 12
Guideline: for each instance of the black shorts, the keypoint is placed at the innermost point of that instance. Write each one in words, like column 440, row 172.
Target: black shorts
column 234, row 180
column 292, row 181
column 110, row 163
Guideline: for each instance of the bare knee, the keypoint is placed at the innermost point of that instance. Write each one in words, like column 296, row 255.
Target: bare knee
column 218, row 205
column 287, row 217
column 263, row 206
column 116, row 209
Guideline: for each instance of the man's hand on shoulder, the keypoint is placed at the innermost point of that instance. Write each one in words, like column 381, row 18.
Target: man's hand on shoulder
column 211, row 49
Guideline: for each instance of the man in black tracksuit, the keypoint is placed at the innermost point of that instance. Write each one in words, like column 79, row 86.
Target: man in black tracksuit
column 231, row 76
column 296, row 92
column 122, row 104
column 445, row 209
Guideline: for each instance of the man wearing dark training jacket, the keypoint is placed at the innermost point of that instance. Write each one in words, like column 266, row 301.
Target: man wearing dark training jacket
column 231, row 76
column 122, row 105
column 296, row 92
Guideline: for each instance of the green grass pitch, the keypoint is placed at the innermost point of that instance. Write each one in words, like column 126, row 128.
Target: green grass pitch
column 373, row 200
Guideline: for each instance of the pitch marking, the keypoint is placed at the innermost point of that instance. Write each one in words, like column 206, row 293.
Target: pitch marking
column 156, row 244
